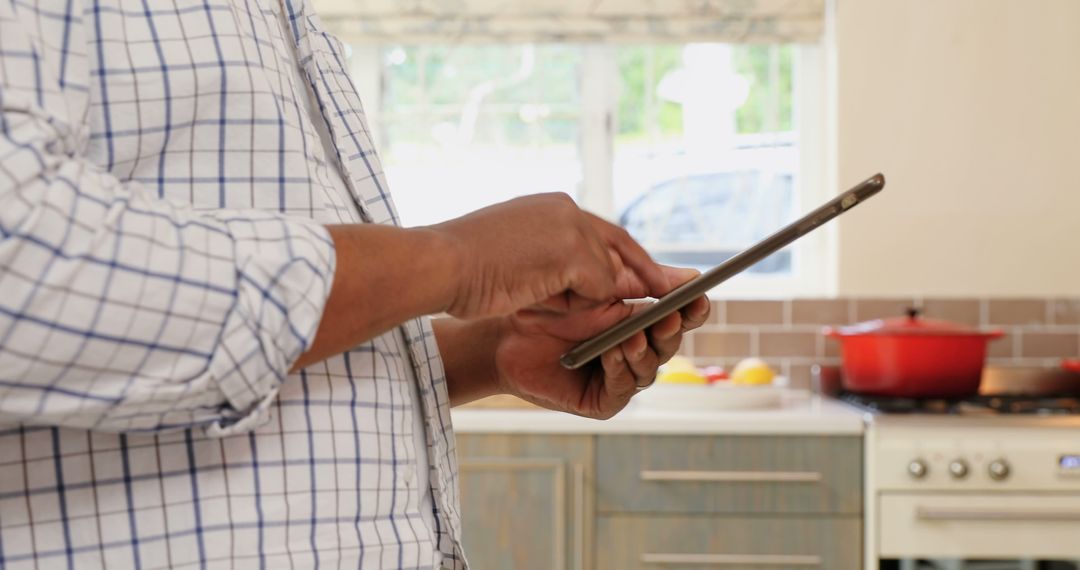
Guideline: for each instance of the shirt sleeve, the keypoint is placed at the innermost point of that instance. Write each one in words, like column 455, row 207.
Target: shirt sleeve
column 120, row 311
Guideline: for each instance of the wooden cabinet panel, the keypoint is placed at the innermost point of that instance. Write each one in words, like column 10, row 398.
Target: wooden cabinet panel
column 729, row 474
column 527, row 501
column 654, row 542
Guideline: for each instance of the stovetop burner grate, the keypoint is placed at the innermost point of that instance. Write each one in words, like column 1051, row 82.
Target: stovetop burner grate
column 976, row 405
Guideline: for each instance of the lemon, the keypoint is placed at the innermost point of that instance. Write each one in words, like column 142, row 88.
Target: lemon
column 680, row 377
column 680, row 370
column 679, row 363
column 752, row 371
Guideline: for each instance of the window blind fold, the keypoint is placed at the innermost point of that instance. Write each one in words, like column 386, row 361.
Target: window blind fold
column 439, row 21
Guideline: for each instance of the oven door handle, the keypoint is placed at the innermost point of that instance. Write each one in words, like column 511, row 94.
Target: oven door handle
column 995, row 514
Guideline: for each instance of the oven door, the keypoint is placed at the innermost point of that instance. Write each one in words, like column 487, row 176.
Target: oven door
column 979, row 526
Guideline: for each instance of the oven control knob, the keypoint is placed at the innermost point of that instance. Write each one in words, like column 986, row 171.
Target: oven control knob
column 999, row 469
column 958, row 468
column 917, row 469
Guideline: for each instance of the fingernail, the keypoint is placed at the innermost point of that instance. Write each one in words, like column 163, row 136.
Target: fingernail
column 618, row 356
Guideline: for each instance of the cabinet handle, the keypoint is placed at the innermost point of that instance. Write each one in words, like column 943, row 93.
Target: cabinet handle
column 977, row 514
column 579, row 516
column 734, row 476
column 733, row 559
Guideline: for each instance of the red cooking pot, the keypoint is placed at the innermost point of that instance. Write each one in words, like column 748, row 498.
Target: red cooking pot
column 912, row 357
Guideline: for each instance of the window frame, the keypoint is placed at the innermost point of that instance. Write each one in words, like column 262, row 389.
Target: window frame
column 814, row 271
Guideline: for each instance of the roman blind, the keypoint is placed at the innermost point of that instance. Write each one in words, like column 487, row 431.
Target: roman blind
column 501, row 21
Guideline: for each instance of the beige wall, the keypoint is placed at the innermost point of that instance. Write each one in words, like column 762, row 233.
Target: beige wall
column 972, row 110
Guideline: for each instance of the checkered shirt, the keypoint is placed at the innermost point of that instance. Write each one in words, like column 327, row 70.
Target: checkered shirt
column 163, row 262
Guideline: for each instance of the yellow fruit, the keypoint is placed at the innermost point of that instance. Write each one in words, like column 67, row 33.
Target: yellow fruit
column 680, row 377
column 752, row 371
column 680, row 363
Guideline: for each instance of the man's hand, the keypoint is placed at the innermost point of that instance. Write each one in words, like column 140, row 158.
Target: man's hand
column 537, row 251
column 526, row 359
column 540, row 249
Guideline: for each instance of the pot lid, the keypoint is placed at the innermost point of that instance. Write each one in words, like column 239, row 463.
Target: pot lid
column 911, row 325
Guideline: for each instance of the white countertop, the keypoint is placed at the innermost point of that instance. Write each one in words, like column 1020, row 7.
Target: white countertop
column 799, row 414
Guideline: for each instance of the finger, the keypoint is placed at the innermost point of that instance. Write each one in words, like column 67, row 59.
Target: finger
column 696, row 313
column 666, row 336
column 618, row 383
column 591, row 279
column 597, row 259
column 678, row 275
column 602, row 253
column 614, row 364
column 633, row 255
column 642, row 359
column 627, row 283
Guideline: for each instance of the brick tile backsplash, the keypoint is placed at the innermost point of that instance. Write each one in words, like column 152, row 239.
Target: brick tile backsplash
column 787, row 343
column 1065, row 311
column 966, row 311
column 799, row 375
column 787, row 333
column 867, row 309
column 753, row 312
column 1049, row 344
column 1006, row 347
column 734, row 344
column 1017, row 312
column 716, row 312
column 821, row 312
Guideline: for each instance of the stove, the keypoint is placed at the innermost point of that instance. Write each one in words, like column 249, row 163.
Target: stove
column 981, row 478
column 975, row 405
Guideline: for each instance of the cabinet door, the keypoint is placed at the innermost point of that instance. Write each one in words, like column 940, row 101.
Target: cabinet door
column 729, row 474
column 526, row 502
column 686, row 542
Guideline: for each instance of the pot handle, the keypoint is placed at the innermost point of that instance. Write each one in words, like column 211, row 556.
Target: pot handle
column 995, row 334
column 831, row 332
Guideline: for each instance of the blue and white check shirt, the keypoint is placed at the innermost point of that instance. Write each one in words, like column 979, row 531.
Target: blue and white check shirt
column 162, row 264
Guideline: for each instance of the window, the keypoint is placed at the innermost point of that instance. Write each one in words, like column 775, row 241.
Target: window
column 466, row 126
column 699, row 150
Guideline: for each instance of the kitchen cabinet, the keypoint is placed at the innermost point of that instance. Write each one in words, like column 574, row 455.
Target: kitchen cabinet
column 527, row 500
column 745, row 474
column 623, row 501
column 728, row 542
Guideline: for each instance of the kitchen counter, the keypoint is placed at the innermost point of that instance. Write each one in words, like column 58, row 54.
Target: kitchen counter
column 799, row 414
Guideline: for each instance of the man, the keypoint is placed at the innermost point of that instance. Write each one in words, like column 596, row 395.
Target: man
column 212, row 343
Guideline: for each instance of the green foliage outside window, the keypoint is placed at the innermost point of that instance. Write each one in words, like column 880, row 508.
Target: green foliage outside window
column 641, row 68
column 426, row 85
column 768, row 107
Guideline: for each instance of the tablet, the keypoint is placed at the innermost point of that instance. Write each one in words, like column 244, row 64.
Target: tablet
column 687, row 292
